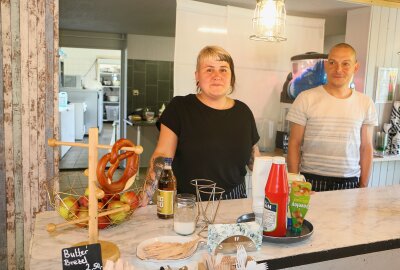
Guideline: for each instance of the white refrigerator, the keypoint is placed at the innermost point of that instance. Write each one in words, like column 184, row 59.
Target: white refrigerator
column 94, row 102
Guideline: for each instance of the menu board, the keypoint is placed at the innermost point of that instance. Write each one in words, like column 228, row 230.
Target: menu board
column 86, row 257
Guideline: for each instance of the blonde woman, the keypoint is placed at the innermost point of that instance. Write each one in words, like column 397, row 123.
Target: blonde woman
column 208, row 134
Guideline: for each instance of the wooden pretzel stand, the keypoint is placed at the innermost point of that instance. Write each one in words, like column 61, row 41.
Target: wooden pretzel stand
column 109, row 250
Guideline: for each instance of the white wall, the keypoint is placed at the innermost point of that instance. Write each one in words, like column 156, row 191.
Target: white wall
column 375, row 33
column 357, row 34
column 330, row 41
column 261, row 67
column 79, row 61
column 151, row 48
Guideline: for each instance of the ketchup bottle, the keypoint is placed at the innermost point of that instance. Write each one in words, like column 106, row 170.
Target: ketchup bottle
column 276, row 200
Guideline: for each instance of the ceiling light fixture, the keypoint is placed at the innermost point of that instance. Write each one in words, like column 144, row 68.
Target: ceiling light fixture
column 269, row 21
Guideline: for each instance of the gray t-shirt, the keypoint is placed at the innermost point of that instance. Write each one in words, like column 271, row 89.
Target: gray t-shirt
column 332, row 136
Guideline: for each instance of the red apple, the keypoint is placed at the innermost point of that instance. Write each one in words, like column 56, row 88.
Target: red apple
column 118, row 217
column 109, row 198
column 103, row 222
column 83, row 213
column 130, row 198
column 83, row 201
column 115, row 197
column 68, row 207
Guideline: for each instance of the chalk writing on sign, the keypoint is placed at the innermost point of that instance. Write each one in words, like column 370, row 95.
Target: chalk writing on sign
column 86, row 257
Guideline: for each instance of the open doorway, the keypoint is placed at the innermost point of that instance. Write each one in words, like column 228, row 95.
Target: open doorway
column 91, row 81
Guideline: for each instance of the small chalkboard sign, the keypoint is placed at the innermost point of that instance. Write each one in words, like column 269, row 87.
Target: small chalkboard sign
column 86, row 257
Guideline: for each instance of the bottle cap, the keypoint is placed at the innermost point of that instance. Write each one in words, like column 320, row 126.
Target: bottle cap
column 278, row 160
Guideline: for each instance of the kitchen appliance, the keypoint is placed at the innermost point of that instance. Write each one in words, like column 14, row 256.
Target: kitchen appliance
column 67, row 127
column 307, row 72
column 80, row 109
column 93, row 98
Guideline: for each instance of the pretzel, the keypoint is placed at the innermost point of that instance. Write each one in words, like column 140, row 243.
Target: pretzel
column 132, row 164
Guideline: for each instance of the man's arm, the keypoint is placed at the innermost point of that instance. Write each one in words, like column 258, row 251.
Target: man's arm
column 295, row 141
column 166, row 147
column 255, row 152
column 366, row 154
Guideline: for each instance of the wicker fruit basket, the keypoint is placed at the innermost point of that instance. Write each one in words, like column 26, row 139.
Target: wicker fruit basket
column 71, row 201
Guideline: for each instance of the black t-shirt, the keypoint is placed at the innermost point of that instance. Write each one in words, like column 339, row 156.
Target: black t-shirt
column 212, row 144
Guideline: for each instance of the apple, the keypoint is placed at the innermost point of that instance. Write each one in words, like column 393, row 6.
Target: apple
column 103, row 222
column 83, row 201
column 99, row 193
column 68, row 207
column 109, row 198
column 115, row 197
column 130, row 198
column 118, row 217
column 83, row 213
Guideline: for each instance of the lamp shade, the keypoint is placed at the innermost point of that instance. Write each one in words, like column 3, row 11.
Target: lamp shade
column 269, row 21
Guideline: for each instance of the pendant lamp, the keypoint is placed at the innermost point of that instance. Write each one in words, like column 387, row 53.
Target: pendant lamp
column 269, row 21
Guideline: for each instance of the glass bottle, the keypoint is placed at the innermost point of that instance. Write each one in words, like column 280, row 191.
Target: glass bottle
column 185, row 214
column 166, row 191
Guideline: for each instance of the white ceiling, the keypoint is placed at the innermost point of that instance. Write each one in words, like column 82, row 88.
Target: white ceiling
column 157, row 17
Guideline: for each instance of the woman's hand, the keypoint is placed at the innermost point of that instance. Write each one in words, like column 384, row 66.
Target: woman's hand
column 255, row 152
column 166, row 147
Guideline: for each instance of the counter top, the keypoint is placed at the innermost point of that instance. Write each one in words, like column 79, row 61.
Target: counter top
column 141, row 123
column 386, row 158
column 279, row 152
column 346, row 223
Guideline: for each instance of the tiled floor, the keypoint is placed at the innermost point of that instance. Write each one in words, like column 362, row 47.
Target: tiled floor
column 77, row 157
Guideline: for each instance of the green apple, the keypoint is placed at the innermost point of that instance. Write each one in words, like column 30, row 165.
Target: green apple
column 83, row 213
column 117, row 218
column 68, row 207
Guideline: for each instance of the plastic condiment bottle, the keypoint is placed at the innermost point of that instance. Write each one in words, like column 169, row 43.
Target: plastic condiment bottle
column 276, row 199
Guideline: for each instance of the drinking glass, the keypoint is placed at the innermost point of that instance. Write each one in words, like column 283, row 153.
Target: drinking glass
column 381, row 141
column 185, row 213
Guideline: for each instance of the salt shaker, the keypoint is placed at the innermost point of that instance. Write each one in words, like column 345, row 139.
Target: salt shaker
column 185, row 213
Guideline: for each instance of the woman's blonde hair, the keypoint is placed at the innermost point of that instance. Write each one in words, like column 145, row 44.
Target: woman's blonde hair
column 222, row 55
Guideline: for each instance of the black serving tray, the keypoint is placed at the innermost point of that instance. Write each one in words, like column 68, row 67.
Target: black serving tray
column 290, row 237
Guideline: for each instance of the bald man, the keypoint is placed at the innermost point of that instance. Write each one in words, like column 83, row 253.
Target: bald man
column 331, row 129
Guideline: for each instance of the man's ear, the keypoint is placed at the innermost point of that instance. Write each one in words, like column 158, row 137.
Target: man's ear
column 356, row 67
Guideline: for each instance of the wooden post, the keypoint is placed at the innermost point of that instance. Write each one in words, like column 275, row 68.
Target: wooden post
column 93, row 228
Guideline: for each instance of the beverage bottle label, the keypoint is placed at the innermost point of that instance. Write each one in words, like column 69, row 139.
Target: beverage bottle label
column 270, row 216
column 165, row 202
